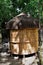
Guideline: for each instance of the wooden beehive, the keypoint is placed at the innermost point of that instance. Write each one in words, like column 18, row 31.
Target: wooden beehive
column 23, row 34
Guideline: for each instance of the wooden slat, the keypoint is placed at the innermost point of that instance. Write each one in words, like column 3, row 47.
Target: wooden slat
column 26, row 36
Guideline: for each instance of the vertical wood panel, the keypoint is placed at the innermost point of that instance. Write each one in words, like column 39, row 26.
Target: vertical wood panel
column 22, row 37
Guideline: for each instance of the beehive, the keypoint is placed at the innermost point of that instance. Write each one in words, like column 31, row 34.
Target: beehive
column 23, row 34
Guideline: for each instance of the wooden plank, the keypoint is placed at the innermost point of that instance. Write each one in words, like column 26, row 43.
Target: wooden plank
column 26, row 36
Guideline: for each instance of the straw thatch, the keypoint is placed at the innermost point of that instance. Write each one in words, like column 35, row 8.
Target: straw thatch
column 22, row 21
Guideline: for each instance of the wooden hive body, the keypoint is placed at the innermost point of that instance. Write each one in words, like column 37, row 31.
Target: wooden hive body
column 24, row 40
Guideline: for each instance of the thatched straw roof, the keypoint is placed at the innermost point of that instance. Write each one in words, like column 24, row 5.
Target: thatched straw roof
column 22, row 21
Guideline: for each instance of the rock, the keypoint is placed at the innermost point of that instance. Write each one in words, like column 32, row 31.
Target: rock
column 28, row 60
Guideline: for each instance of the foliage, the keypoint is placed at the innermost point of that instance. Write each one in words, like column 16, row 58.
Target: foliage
column 10, row 8
column 34, row 7
column 5, row 10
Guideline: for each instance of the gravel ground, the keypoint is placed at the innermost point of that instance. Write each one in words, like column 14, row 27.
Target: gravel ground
column 5, row 59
